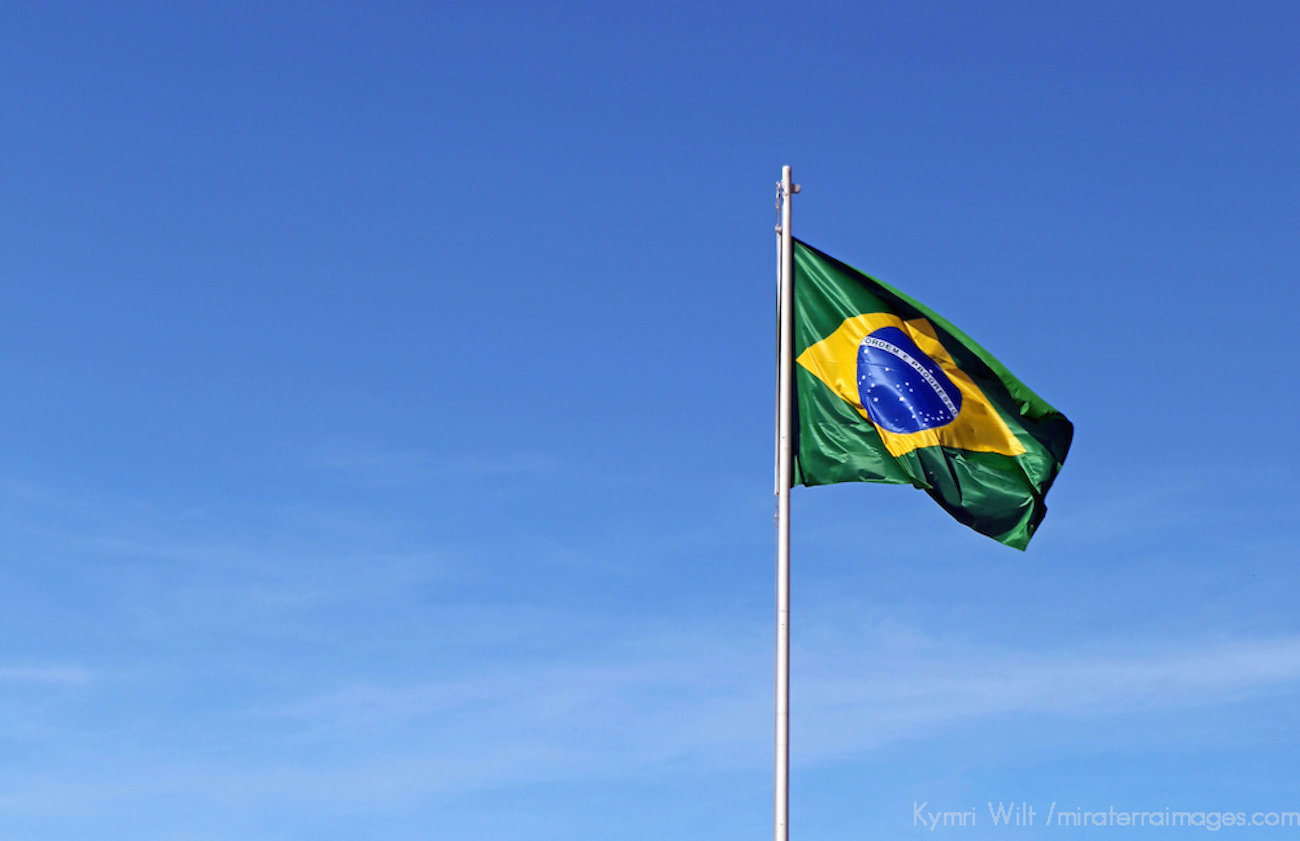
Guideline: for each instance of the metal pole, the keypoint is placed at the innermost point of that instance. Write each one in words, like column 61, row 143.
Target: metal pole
column 785, row 399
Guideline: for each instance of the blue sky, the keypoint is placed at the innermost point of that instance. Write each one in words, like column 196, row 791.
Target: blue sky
column 387, row 417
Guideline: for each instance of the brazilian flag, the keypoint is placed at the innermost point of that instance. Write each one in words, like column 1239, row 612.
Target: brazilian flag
column 889, row 391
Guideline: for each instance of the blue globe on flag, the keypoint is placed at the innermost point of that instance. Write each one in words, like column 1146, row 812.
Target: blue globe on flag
column 902, row 389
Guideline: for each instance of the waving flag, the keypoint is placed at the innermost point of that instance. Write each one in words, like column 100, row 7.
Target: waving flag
column 889, row 391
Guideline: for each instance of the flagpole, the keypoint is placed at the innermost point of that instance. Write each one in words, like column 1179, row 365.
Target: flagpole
column 785, row 416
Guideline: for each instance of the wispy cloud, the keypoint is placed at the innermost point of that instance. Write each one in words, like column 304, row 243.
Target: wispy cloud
column 502, row 464
column 372, row 465
column 325, row 646
column 919, row 689
column 52, row 675
column 391, row 467
column 690, row 698
column 696, row 698
column 648, row 701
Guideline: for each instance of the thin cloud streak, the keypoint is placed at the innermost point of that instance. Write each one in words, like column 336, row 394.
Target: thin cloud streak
column 693, row 700
column 914, row 694
column 53, row 675
column 380, row 467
